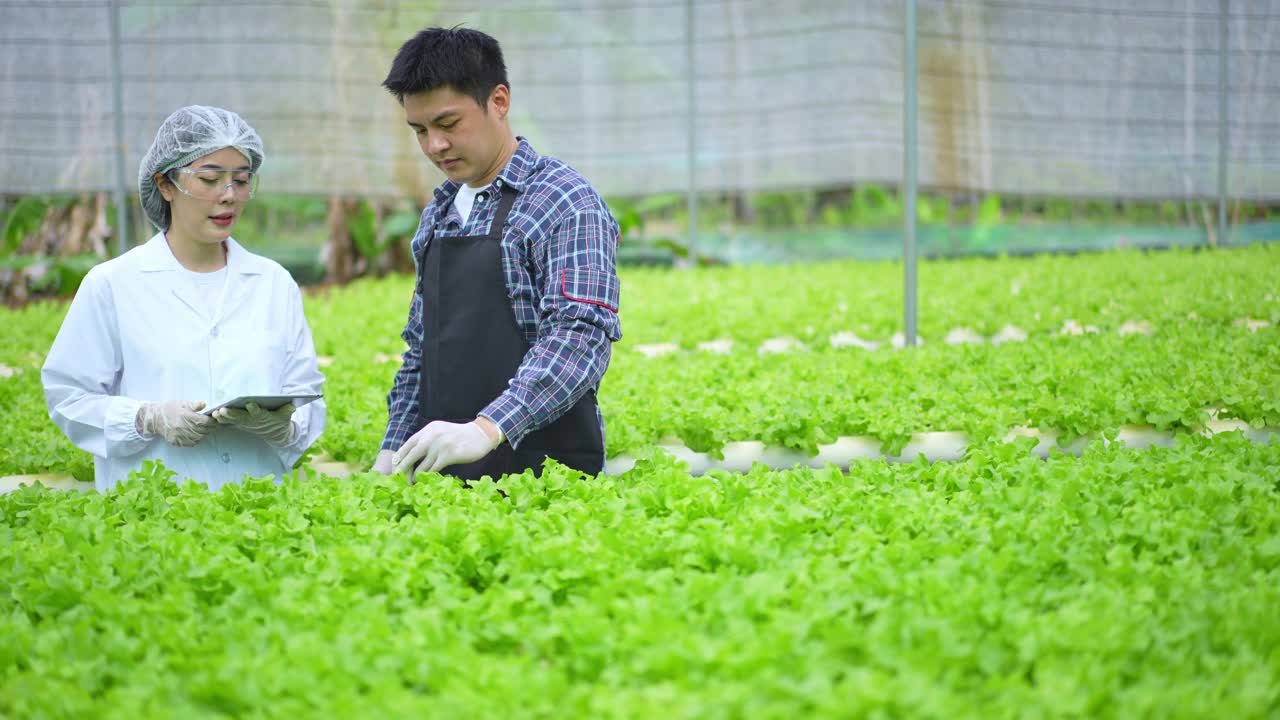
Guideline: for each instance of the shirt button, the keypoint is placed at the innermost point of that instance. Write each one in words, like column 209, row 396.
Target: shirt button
column 482, row 197
column 226, row 457
column 214, row 332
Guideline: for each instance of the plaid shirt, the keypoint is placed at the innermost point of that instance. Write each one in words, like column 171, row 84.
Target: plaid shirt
column 558, row 256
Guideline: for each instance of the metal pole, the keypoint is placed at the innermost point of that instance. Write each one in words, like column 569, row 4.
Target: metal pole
column 909, row 176
column 1224, row 142
column 117, row 93
column 1189, row 179
column 692, row 88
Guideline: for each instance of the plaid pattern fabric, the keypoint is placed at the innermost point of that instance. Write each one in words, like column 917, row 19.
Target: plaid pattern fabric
column 558, row 256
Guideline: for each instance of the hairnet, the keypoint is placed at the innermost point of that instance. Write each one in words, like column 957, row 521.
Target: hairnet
column 190, row 133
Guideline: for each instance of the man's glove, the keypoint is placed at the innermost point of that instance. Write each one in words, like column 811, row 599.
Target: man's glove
column 441, row 444
column 383, row 464
column 177, row 421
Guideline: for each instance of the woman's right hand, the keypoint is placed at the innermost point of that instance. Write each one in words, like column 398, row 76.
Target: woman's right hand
column 179, row 422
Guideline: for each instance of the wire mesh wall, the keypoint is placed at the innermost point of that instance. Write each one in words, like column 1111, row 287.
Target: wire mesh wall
column 1075, row 98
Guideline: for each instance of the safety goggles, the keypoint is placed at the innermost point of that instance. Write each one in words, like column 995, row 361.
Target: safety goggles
column 212, row 183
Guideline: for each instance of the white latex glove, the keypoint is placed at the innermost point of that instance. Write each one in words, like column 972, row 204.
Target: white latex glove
column 177, row 421
column 383, row 464
column 276, row 427
column 441, row 444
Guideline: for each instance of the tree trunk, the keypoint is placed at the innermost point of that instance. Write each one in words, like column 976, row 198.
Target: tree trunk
column 339, row 254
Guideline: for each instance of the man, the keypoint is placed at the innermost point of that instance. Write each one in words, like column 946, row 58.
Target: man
column 516, row 304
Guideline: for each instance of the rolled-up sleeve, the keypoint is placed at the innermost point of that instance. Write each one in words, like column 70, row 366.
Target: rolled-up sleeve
column 578, row 322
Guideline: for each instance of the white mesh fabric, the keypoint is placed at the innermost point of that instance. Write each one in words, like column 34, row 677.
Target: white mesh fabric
column 188, row 134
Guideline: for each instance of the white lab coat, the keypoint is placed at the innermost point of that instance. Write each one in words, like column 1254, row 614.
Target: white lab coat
column 137, row 332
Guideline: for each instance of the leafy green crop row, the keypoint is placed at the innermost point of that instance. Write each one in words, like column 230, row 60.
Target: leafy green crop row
column 812, row 302
column 1118, row 584
column 1074, row 385
column 1077, row 385
column 1040, row 294
column 30, row 442
column 799, row 400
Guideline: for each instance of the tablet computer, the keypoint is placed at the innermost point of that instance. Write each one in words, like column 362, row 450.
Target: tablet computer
column 266, row 402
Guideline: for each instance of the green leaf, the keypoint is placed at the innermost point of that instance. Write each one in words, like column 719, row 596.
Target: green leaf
column 21, row 221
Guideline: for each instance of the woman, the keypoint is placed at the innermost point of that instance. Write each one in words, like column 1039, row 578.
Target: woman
column 186, row 321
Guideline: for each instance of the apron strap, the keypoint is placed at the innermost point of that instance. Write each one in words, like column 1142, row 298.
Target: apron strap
column 504, row 209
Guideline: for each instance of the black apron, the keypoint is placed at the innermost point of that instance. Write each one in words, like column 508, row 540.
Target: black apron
column 472, row 347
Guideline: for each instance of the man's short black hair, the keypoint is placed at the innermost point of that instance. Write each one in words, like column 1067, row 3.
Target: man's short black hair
column 465, row 60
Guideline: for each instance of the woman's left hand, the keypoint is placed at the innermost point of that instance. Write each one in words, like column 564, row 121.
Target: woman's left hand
column 274, row 426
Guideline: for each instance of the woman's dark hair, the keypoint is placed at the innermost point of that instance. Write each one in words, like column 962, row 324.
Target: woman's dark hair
column 467, row 61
